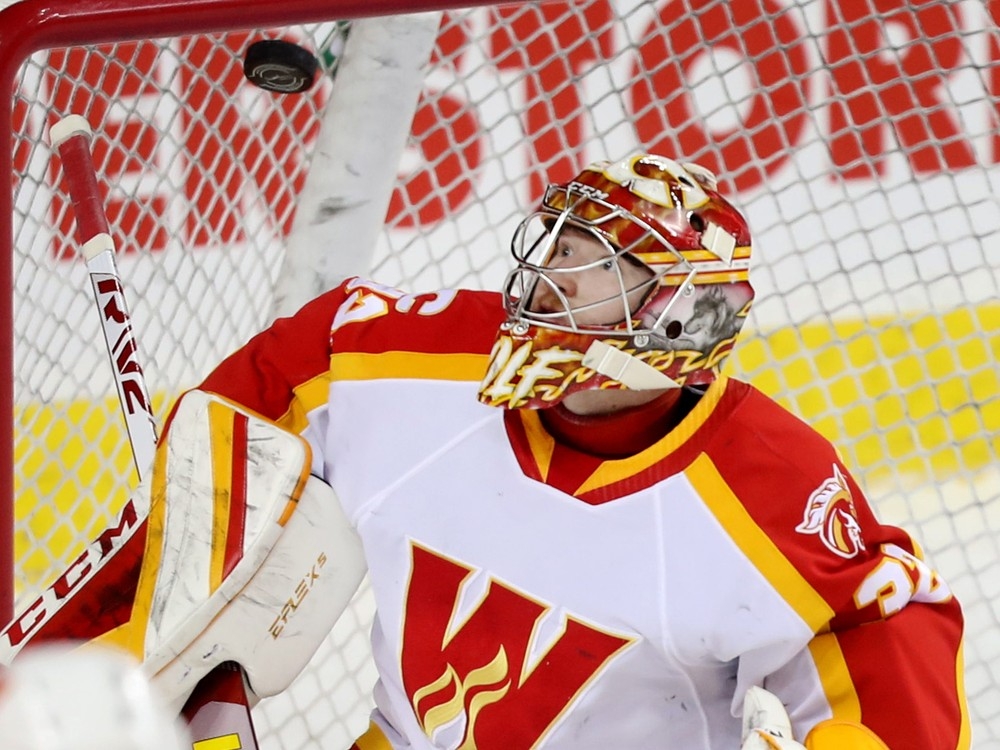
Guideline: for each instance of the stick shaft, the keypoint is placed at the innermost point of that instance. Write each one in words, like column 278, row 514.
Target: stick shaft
column 218, row 712
column 71, row 138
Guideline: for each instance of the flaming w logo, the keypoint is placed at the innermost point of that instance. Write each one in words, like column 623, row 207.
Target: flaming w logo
column 478, row 684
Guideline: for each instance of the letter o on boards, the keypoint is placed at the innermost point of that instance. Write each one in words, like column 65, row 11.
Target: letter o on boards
column 663, row 107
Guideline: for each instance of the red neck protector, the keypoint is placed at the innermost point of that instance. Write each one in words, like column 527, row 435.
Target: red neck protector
column 622, row 433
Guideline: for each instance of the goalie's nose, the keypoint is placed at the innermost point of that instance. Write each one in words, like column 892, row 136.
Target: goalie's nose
column 546, row 298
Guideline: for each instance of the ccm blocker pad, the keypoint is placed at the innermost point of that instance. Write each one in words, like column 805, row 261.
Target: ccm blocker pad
column 229, row 551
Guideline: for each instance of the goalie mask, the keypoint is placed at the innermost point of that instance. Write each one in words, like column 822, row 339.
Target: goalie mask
column 669, row 258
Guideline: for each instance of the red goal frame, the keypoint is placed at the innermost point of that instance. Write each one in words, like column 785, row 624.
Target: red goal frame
column 36, row 25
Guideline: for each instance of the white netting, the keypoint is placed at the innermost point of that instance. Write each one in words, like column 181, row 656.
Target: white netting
column 860, row 138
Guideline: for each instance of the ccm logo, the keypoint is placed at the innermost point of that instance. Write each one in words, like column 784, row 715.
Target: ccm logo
column 50, row 600
column 300, row 593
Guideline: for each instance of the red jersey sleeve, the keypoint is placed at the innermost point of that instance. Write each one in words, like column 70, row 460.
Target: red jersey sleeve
column 889, row 653
column 359, row 317
column 263, row 374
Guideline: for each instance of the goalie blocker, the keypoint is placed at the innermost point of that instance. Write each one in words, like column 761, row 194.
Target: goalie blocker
column 229, row 551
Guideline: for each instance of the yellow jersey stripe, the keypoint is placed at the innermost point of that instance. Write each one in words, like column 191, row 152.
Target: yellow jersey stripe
column 610, row 472
column 965, row 733
column 308, row 396
column 415, row 365
column 759, row 548
column 539, row 441
column 835, row 677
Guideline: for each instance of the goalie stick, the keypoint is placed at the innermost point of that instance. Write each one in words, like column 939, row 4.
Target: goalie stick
column 71, row 138
column 218, row 710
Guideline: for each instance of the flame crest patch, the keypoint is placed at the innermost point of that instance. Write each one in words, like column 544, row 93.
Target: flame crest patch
column 831, row 514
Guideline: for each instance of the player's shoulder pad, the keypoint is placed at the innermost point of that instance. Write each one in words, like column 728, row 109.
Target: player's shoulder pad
column 374, row 318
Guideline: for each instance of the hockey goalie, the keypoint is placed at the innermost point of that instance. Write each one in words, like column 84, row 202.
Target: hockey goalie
column 579, row 532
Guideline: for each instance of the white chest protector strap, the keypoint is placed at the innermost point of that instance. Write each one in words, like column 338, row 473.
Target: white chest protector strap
column 247, row 557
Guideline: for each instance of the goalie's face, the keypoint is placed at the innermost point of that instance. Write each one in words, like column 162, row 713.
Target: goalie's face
column 631, row 276
column 583, row 282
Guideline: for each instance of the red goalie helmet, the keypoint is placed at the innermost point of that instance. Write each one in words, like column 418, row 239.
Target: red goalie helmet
column 672, row 325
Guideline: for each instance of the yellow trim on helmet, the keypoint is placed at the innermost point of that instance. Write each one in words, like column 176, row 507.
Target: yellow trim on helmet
column 742, row 252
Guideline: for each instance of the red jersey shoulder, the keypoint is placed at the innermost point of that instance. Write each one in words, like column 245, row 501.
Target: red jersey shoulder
column 790, row 478
column 374, row 318
column 795, row 487
column 792, row 484
column 749, row 426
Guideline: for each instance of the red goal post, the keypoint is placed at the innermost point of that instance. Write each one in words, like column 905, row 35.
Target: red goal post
column 30, row 27
column 861, row 137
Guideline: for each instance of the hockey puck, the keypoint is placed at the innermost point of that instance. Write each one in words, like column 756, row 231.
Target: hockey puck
column 280, row 66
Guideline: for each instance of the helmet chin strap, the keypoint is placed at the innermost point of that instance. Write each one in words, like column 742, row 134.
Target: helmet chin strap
column 631, row 372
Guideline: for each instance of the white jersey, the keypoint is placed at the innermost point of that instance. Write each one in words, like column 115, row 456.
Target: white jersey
column 531, row 596
column 579, row 625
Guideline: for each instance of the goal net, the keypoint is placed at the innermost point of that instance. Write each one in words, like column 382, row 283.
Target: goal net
column 859, row 137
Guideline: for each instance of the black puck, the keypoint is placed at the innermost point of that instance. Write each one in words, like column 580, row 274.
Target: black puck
column 280, row 66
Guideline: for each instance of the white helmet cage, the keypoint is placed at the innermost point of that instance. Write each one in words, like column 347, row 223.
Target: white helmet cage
column 535, row 241
column 675, row 324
